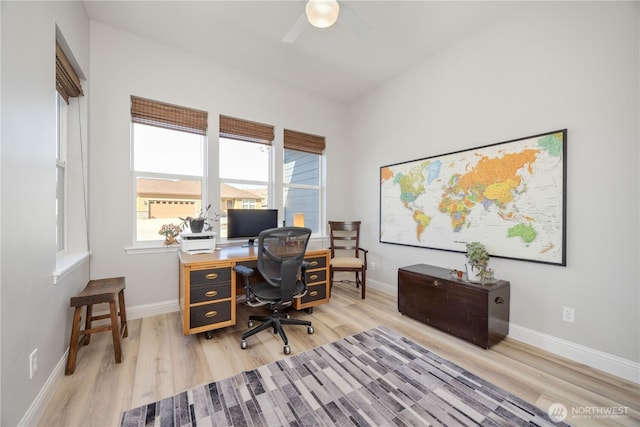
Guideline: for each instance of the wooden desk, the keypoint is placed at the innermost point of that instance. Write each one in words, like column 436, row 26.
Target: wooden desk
column 207, row 285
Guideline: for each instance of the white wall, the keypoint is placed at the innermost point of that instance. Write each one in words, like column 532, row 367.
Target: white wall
column 123, row 64
column 555, row 65
column 35, row 313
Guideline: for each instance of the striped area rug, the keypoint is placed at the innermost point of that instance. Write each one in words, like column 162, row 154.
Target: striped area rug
column 374, row 378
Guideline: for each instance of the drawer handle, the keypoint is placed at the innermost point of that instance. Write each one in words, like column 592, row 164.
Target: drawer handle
column 212, row 276
column 313, row 263
column 313, row 293
column 211, row 293
column 499, row 300
column 436, row 283
column 313, row 277
column 211, row 313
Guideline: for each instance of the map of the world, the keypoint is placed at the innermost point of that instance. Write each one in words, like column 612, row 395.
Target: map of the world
column 509, row 196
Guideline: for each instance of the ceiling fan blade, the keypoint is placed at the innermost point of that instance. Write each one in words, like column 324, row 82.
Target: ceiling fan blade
column 353, row 21
column 298, row 27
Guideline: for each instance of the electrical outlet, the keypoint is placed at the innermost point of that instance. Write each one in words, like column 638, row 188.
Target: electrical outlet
column 568, row 314
column 33, row 363
column 373, row 266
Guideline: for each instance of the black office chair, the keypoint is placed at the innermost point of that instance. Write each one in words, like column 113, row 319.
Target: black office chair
column 282, row 266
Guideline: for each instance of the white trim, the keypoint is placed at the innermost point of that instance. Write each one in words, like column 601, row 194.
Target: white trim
column 67, row 263
column 42, row 400
column 609, row 363
column 151, row 249
column 382, row 287
column 155, row 309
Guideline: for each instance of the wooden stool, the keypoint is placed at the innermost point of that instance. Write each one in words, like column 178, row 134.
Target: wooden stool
column 96, row 292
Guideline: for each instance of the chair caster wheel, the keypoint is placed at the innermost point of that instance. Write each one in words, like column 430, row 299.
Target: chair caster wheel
column 243, row 344
column 287, row 350
column 287, row 316
column 250, row 324
column 310, row 330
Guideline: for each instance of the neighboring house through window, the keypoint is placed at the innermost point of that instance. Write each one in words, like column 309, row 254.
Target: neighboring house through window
column 245, row 166
column 303, row 178
column 169, row 164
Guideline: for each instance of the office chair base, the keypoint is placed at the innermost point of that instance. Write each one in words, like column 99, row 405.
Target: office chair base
column 276, row 322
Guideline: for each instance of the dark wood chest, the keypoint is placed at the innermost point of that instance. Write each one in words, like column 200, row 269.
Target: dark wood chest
column 475, row 312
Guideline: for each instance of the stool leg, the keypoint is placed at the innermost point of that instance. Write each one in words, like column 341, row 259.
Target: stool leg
column 115, row 332
column 73, row 344
column 87, row 324
column 124, row 330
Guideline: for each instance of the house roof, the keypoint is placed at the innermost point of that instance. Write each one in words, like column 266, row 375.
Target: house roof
column 184, row 188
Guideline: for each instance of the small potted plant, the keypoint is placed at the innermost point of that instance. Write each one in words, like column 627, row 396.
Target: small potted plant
column 170, row 232
column 478, row 263
column 202, row 221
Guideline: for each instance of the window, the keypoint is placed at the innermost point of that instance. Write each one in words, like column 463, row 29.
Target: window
column 245, row 166
column 67, row 86
column 302, row 178
column 169, row 164
column 61, row 171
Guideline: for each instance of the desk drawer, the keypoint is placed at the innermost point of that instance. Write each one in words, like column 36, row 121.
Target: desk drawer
column 201, row 293
column 210, row 314
column 210, row 276
column 316, row 276
column 316, row 262
column 314, row 293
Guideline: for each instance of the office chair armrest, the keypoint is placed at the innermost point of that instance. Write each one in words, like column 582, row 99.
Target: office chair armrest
column 244, row 270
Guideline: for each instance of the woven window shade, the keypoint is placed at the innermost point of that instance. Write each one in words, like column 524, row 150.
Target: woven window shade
column 303, row 142
column 67, row 80
column 168, row 116
column 231, row 127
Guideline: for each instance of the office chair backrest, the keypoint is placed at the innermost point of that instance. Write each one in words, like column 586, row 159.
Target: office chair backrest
column 345, row 238
column 280, row 255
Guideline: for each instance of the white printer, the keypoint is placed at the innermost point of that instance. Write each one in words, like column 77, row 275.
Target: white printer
column 198, row 243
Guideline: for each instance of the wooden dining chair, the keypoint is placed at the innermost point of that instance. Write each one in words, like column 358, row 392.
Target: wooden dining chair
column 346, row 253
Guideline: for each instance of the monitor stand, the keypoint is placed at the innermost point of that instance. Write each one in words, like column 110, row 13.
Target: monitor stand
column 250, row 243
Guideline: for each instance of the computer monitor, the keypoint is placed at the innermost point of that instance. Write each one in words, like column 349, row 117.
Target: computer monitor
column 248, row 223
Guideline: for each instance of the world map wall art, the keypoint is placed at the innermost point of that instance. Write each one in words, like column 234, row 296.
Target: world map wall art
column 511, row 196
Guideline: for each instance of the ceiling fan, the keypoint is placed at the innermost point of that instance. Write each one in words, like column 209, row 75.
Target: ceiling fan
column 323, row 14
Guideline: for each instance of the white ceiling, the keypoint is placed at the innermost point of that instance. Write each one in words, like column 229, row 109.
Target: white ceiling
column 338, row 62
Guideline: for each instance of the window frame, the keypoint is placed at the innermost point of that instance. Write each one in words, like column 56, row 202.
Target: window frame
column 136, row 174
column 61, row 166
column 319, row 187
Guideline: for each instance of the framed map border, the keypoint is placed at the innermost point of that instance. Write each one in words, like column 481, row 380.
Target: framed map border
column 552, row 144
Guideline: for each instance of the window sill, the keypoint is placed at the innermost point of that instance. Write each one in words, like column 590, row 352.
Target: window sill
column 151, row 249
column 66, row 264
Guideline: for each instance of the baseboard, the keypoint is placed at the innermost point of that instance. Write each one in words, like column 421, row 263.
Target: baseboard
column 597, row 359
column 40, row 403
column 382, row 287
column 155, row 309
column 609, row 363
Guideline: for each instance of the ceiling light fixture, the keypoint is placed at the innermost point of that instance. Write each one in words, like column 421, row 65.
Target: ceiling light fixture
column 322, row 13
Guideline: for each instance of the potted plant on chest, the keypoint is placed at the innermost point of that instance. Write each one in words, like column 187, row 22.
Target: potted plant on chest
column 200, row 223
column 478, row 263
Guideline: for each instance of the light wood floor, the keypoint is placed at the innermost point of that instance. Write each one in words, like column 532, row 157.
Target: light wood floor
column 159, row 362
